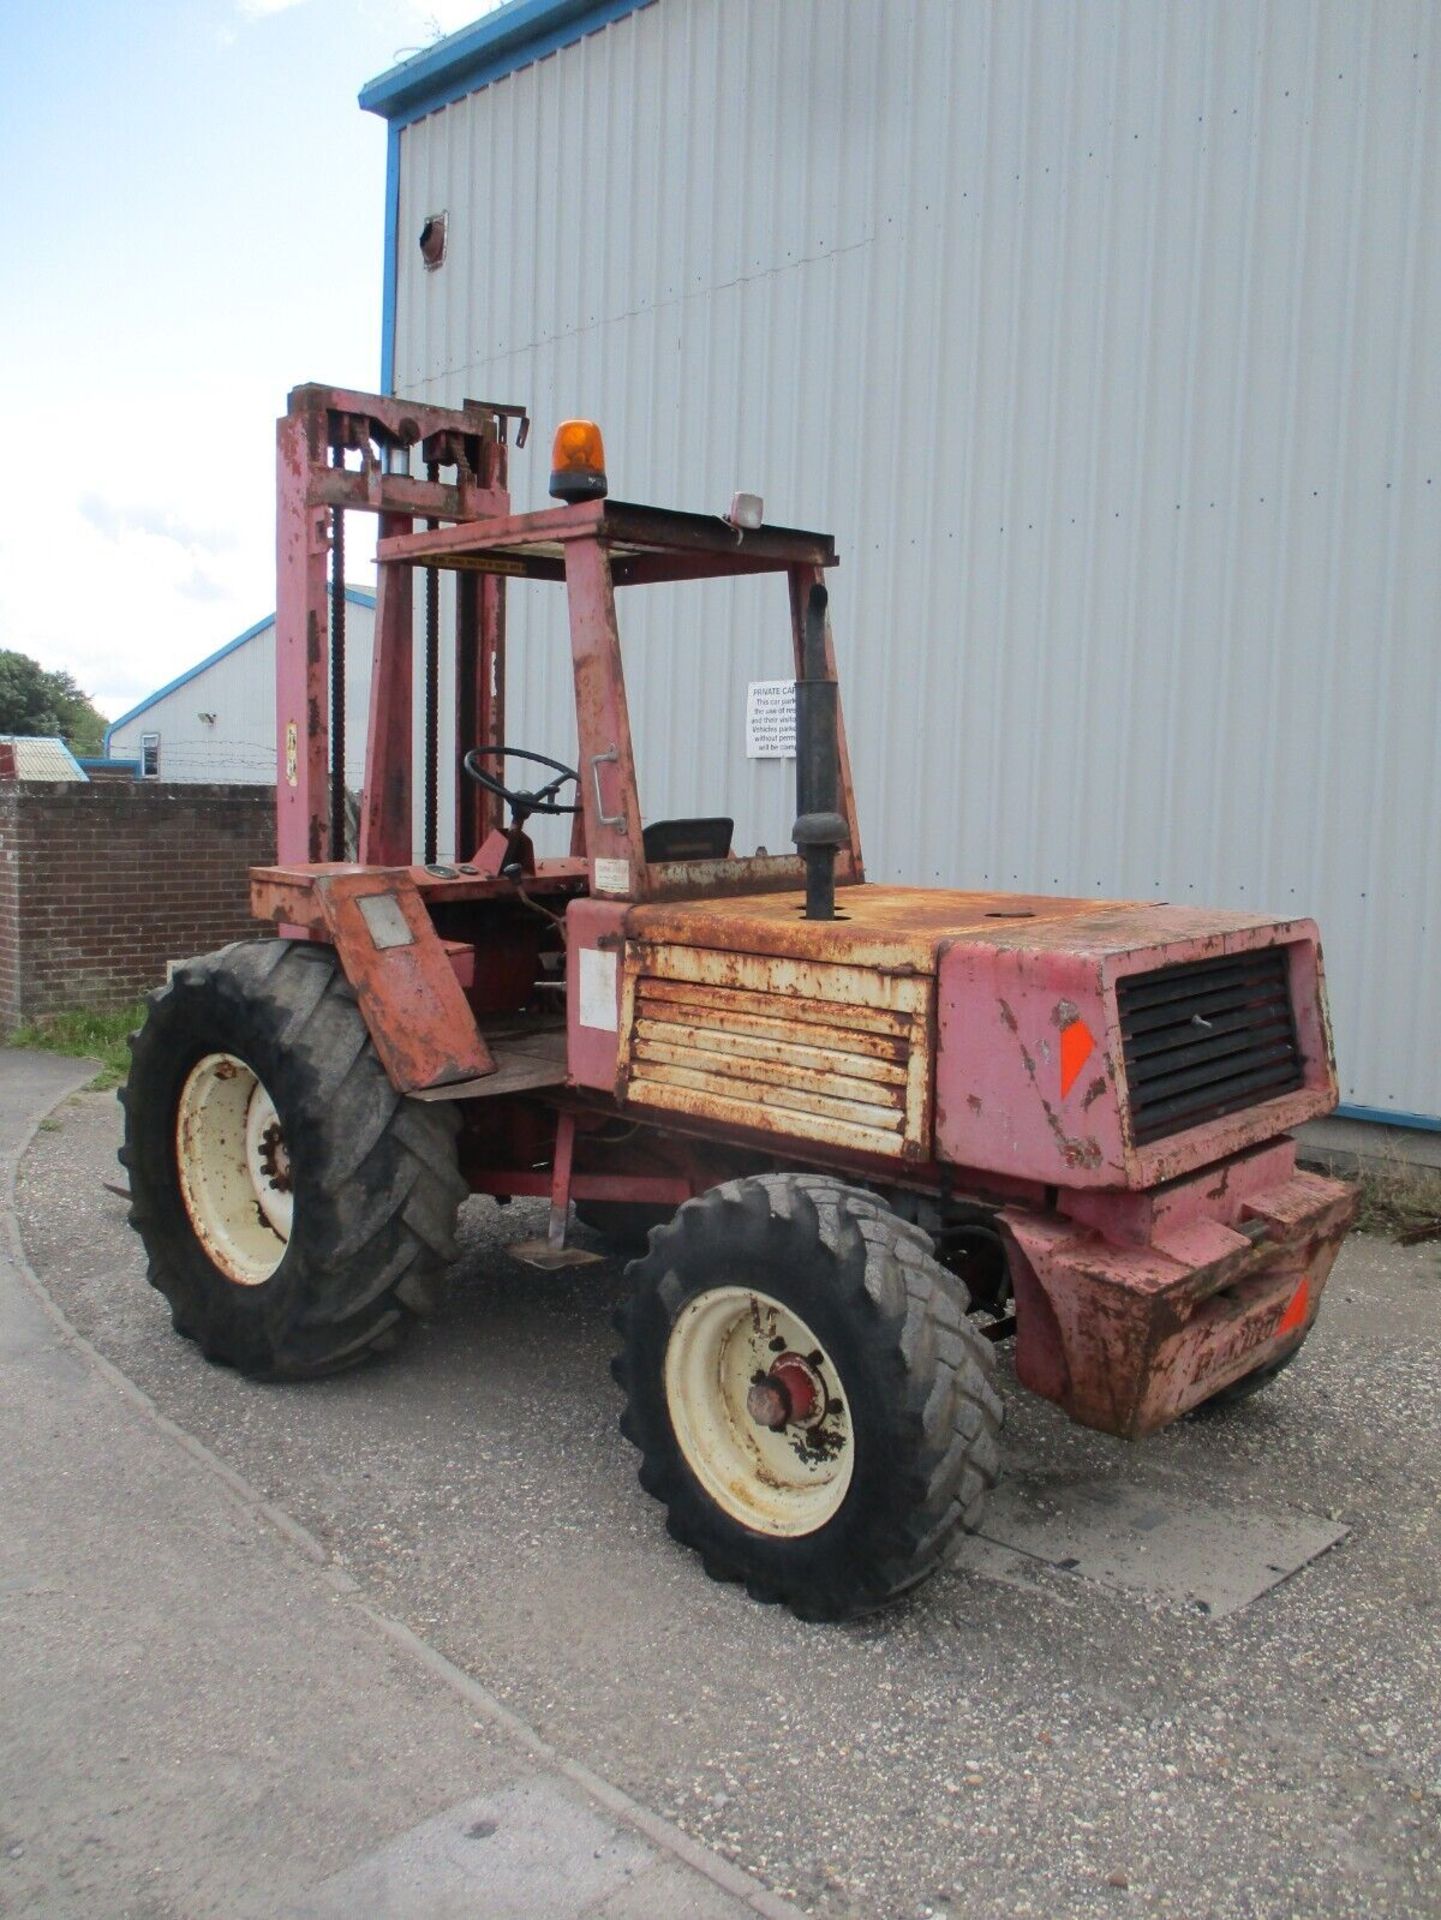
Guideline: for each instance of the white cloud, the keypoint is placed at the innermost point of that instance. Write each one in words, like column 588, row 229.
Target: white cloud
column 198, row 585
column 159, row 522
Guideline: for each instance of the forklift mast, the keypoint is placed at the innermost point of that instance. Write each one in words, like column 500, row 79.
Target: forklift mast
column 340, row 452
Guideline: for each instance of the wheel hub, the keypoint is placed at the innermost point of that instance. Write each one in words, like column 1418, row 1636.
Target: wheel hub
column 792, row 1394
column 759, row 1411
column 234, row 1168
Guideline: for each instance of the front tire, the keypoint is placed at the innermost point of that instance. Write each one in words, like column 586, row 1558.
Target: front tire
column 296, row 1211
column 810, row 1402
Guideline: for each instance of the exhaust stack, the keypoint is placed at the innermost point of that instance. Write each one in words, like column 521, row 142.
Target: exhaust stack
column 819, row 831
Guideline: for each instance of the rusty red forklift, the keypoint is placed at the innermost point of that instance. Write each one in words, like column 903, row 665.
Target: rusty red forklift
column 872, row 1131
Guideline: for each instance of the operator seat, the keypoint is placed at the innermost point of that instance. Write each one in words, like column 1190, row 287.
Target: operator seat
column 703, row 839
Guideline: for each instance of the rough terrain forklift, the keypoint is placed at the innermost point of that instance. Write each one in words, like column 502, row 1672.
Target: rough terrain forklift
column 871, row 1130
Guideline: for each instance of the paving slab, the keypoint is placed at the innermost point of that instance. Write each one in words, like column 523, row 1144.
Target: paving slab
column 536, row 1847
column 202, row 1717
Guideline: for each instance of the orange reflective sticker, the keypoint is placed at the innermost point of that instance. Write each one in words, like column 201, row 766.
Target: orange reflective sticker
column 1297, row 1310
column 1077, row 1045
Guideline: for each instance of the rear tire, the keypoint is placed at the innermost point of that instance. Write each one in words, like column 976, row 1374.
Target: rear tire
column 352, row 1255
column 839, row 1516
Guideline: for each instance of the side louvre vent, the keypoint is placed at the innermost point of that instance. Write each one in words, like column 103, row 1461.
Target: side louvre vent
column 818, row 1052
column 1207, row 1038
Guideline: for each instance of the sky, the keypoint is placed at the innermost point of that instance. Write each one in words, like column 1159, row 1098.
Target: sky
column 191, row 223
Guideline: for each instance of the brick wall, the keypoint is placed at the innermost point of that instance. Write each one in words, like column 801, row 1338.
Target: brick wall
column 101, row 885
column 9, row 904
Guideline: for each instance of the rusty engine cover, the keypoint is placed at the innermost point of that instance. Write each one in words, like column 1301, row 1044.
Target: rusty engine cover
column 987, row 1030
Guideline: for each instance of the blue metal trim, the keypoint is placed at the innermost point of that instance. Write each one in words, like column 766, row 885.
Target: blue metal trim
column 355, row 597
column 391, row 270
column 88, row 760
column 512, row 36
column 1427, row 1122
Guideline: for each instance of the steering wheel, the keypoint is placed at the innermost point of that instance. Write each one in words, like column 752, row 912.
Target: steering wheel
column 543, row 800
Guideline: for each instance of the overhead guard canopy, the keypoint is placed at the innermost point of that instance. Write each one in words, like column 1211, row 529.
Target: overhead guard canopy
column 645, row 544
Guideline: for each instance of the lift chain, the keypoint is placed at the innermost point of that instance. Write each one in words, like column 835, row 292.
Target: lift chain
column 337, row 673
column 432, row 692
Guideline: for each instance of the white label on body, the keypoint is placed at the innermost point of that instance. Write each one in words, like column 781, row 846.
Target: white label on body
column 611, row 876
column 598, row 990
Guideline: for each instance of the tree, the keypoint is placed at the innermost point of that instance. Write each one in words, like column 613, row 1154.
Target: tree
column 35, row 701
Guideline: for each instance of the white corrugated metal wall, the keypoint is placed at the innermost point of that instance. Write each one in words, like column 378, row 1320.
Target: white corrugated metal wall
column 1102, row 335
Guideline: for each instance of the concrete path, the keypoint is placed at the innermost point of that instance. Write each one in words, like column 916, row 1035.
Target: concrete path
column 202, row 1716
column 1348, row 1145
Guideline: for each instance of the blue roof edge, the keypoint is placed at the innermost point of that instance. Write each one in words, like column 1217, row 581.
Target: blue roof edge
column 354, row 596
column 512, row 36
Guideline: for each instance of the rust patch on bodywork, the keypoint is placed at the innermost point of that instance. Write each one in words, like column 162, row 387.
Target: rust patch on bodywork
column 1132, row 1335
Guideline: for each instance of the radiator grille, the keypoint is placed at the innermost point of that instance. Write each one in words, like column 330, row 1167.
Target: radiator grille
column 1207, row 1038
column 808, row 1064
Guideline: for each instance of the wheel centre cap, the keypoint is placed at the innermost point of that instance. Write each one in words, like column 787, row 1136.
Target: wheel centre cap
column 791, row 1394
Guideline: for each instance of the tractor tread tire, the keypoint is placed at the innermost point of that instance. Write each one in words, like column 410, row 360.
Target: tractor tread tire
column 920, row 1376
column 377, row 1183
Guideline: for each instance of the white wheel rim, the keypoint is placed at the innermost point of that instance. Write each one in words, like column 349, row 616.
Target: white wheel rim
column 234, row 1168
column 789, row 1480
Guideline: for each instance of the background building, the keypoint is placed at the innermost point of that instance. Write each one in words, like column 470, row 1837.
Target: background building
column 1101, row 334
column 216, row 722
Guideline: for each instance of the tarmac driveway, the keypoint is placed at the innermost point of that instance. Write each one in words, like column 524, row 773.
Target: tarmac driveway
column 1042, row 1731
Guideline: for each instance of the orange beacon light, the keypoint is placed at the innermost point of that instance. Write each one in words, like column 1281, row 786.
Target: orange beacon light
column 577, row 462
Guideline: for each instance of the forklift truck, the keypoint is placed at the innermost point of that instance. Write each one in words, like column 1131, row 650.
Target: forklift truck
column 862, row 1133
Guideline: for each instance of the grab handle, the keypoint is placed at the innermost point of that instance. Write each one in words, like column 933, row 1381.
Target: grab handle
column 597, row 761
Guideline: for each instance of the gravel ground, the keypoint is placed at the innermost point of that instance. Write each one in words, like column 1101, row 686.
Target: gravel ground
column 1034, row 1746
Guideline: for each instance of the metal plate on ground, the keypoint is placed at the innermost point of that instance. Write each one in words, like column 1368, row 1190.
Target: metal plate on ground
column 541, row 1255
column 1210, row 1559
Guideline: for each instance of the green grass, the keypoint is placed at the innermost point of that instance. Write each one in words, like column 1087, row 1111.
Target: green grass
column 88, row 1036
column 1398, row 1199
